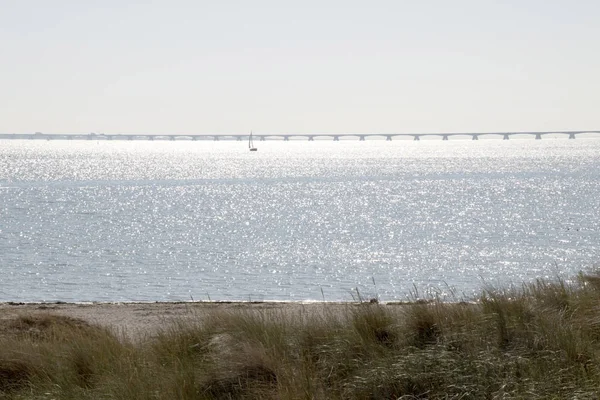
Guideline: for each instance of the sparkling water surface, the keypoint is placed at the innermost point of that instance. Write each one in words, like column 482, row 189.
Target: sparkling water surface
column 298, row 220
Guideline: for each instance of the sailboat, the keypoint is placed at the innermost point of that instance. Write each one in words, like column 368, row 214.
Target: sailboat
column 251, row 143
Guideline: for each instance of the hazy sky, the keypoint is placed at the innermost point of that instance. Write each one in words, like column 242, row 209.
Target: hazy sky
column 225, row 66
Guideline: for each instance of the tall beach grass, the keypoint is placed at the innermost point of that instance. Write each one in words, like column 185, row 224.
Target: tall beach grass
column 538, row 341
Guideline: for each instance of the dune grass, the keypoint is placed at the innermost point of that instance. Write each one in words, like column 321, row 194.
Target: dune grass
column 540, row 341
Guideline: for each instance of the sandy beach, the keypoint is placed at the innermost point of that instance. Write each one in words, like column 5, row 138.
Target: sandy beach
column 139, row 321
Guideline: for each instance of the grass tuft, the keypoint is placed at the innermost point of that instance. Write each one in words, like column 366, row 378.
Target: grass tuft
column 14, row 375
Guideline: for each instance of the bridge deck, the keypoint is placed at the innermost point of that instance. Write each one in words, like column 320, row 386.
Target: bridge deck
column 283, row 136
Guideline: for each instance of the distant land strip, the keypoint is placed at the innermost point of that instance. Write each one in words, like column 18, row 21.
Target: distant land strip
column 288, row 136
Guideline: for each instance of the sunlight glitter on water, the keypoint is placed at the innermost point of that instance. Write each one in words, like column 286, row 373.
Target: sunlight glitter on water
column 125, row 221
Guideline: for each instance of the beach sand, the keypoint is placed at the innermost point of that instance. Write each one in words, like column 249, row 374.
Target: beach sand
column 141, row 321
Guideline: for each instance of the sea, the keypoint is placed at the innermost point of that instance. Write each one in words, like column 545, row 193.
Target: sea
column 298, row 220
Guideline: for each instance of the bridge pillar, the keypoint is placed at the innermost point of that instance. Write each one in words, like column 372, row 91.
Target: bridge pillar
column 239, row 139
column 286, row 138
column 68, row 137
column 416, row 138
column 362, row 139
column 336, row 138
column 311, row 138
column 538, row 136
column 505, row 137
column 262, row 138
column 151, row 138
column 571, row 136
column 216, row 138
column 129, row 137
column 172, row 138
column 475, row 137
column 388, row 138
column 194, row 138
column 445, row 137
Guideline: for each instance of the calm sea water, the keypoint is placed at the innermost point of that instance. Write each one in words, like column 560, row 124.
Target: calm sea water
column 299, row 220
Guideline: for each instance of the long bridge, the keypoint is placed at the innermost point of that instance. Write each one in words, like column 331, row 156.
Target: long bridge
column 278, row 136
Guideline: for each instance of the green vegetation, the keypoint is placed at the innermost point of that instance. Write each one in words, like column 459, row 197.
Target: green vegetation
column 541, row 341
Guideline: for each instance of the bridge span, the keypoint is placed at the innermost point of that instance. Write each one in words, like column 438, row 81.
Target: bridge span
column 282, row 136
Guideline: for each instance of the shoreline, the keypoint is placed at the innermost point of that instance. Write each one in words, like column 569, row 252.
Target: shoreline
column 143, row 320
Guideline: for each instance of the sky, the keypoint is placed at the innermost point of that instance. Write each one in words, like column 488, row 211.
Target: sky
column 277, row 66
